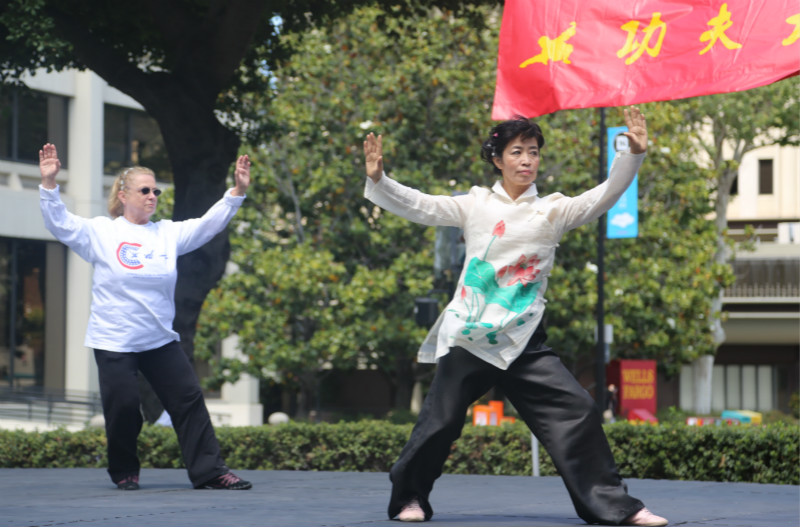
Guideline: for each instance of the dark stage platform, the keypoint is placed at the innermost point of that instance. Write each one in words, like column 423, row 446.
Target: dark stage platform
column 86, row 497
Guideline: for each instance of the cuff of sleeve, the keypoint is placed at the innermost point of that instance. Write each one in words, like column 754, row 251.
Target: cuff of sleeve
column 52, row 194
column 371, row 186
column 235, row 200
column 637, row 156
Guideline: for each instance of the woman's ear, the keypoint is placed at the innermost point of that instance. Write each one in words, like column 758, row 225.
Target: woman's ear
column 498, row 163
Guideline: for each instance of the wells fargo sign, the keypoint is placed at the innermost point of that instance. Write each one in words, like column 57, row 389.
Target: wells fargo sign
column 636, row 381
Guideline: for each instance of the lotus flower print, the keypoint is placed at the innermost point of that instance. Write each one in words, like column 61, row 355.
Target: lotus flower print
column 513, row 288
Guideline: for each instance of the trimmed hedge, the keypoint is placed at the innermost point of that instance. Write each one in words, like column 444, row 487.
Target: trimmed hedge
column 758, row 454
column 755, row 454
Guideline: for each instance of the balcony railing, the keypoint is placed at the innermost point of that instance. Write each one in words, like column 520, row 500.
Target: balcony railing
column 61, row 407
column 777, row 278
column 750, row 290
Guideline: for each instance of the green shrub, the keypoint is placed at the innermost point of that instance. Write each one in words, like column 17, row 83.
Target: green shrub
column 60, row 448
column 759, row 454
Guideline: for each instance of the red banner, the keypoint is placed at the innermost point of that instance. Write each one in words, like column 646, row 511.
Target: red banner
column 555, row 55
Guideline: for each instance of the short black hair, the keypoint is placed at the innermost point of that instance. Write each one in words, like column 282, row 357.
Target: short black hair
column 504, row 133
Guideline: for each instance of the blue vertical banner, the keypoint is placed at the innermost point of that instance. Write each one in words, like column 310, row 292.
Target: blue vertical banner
column 623, row 217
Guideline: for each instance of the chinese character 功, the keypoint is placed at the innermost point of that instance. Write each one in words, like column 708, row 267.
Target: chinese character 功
column 555, row 50
column 720, row 24
column 636, row 48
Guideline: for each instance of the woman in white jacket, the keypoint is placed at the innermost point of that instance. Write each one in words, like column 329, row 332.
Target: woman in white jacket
column 130, row 322
column 491, row 333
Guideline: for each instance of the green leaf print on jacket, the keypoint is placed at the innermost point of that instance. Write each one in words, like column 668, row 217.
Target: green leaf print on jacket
column 484, row 281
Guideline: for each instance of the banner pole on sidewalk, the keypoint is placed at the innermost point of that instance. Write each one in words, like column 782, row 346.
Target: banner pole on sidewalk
column 535, row 454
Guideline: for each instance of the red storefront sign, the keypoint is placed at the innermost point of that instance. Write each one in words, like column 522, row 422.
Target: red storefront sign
column 636, row 381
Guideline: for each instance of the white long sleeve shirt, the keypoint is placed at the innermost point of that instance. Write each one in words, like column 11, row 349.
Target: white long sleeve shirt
column 510, row 251
column 135, row 269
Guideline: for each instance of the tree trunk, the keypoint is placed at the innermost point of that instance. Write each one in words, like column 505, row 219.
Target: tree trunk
column 417, row 398
column 403, row 381
column 701, row 383
column 703, row 366
column 201, row 151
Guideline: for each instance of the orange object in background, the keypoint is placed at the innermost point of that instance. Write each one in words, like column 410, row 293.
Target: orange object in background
column 484, row 415
column 490, row 414
column 702, row 421
column 497, row 406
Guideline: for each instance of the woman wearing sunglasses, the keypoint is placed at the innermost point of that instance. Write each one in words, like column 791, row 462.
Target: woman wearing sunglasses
column 130, row 322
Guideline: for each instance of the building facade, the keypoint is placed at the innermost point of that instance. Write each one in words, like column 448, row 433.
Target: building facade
column 758, row 366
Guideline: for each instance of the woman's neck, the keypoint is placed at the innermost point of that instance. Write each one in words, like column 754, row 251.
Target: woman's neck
column 137, row 220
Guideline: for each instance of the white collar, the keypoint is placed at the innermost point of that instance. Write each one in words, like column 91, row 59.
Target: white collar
column 532, row 192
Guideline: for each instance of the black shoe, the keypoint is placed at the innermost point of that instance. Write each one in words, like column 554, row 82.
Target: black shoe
column 129, row 483
column 229, row 481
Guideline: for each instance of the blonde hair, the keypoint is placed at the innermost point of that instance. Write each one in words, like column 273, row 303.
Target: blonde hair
column 115, row 206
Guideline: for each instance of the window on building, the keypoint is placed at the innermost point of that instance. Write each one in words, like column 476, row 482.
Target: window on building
column 744, row 386
column 737, row 386
column 132, row 137
column 22, row 313
column 29, row 119
column 735, row 186
column 765, row 176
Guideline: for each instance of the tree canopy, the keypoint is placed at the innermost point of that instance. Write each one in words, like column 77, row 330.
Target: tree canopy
column 723, row 129
column 193, row 65
column 325, row 279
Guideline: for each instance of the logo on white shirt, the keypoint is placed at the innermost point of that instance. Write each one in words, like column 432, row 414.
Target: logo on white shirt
column 128, row 255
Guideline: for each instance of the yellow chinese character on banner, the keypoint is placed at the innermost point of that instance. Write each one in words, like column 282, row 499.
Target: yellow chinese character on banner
column 636, row 48
column 791, row 39
column 555, row 50
column 720, row 24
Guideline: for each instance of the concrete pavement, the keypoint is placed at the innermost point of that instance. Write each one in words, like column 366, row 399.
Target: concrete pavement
column 86, row 497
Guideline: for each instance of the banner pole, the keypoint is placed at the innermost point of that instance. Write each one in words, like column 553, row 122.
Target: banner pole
column 600, row 355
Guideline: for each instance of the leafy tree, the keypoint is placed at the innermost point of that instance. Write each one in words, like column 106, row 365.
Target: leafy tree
column 427, row 84
column 193, row 65
column 312, row 253
column 658, row 286
column 725, row 128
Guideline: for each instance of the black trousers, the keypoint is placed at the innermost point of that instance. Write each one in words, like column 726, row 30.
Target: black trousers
column 556, row 408
column 174, row 381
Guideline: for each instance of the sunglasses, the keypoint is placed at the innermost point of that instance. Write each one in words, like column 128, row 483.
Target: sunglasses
column 146, row 191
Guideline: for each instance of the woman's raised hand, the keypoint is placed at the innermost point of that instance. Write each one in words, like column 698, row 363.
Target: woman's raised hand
column 373, row 156
column 637, row 130
column 49, row 165
column 241, row 176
